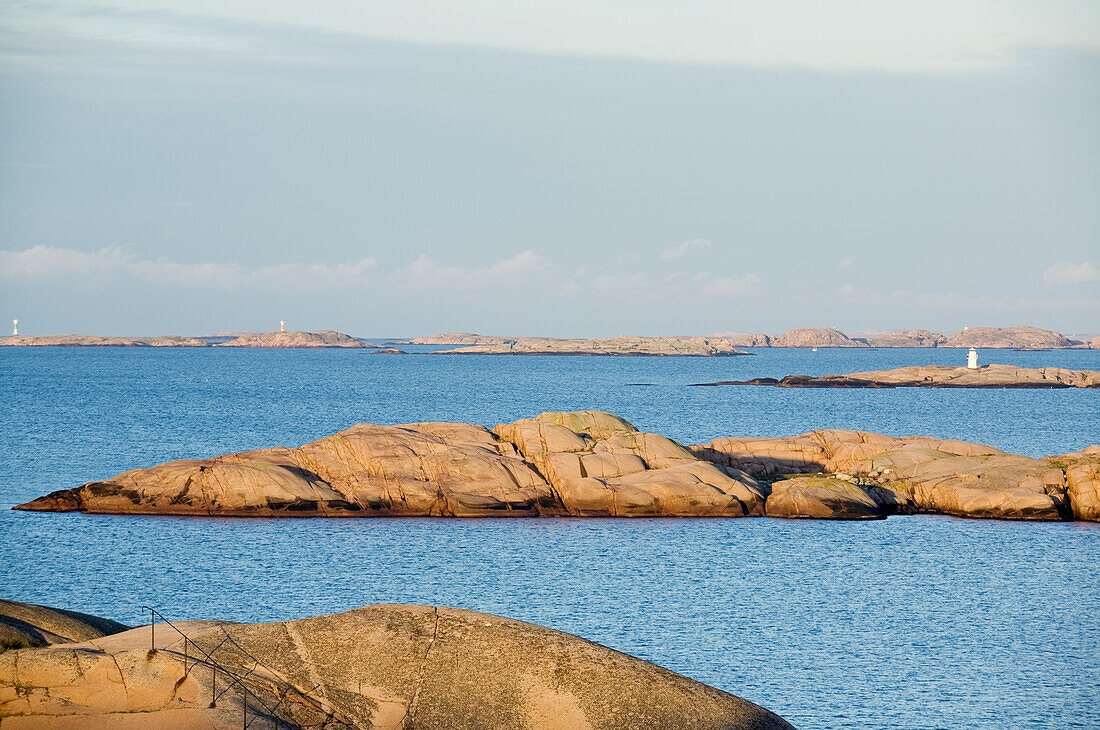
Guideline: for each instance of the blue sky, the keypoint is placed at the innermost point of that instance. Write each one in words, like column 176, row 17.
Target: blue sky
column 548, row 168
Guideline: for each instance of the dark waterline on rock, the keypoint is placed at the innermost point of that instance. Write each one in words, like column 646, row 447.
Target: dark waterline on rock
column 912, row 622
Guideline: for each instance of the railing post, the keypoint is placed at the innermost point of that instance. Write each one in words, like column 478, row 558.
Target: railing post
column 244, row 714
column 213, row 684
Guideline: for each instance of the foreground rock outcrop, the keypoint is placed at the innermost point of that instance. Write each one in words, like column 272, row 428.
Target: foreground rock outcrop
column 622, row 345
column 385, row 667
column 1008, row 337
column 594, row 464
column 938, row 376
column 100, row 341
column 320, row 338
column 26, row 624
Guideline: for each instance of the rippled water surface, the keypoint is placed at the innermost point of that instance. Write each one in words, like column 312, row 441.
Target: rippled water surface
column 912, row 622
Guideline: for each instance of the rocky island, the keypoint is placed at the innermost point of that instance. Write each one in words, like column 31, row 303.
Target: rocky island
column 937, row 376
column 804, row 337
column 622, row 345
column 100, row 341
column 389, row 667
column 294, row 340
column 594, row 464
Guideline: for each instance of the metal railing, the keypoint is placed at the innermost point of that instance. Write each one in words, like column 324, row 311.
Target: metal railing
column 233, row 680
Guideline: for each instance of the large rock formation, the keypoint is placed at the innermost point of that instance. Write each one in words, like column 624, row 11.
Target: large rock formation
column 600, row 465
column 623, row 345
column 100, row 341
column 384, row 667
column 1002, row 337
column 908, row 338
column 435, row 469
column 25, row 624
column 591, row 463
column 816, row 337
column 320, row 338
column 938, row 376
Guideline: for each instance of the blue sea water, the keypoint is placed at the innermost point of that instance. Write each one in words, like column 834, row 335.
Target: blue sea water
column 913, row 622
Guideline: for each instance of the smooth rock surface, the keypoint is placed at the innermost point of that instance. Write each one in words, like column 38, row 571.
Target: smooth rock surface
column 911, row 474
column 425, row 469
column 320, row 338
column 600, row 465
column 822, row 498
column 409, row 667
column 1011, row 337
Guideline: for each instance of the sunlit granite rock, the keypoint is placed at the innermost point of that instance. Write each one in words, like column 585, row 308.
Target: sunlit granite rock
column 384, row 667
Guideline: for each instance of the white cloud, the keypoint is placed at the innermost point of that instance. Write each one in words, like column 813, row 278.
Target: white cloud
column 887, row 34
column 731, row 286
column 680, row 250
column 49, row 264
column 1067, row 272
column 426, row 272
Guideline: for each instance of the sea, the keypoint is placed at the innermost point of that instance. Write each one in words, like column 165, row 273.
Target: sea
column 910, row 622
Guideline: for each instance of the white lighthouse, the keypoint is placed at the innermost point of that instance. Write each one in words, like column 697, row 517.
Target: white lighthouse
column 972, row 359
column 282, row 325
column 14, row 327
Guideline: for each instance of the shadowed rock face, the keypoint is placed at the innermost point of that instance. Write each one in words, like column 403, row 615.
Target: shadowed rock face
column 377, row 667
column 320, row 338
column 600, row 465
column 1082, row 470
column 25, row 624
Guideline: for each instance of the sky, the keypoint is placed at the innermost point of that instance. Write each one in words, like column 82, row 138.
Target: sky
column 534, row 168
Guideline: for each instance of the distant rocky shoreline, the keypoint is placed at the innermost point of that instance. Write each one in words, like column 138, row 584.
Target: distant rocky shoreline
column 937, row 376
column 594, row 464
column 718, row 345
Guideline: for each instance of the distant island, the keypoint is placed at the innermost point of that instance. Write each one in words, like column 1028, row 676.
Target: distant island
column 622, row 345
column 938, row 376
column 1021, row 337
column 722, row 344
